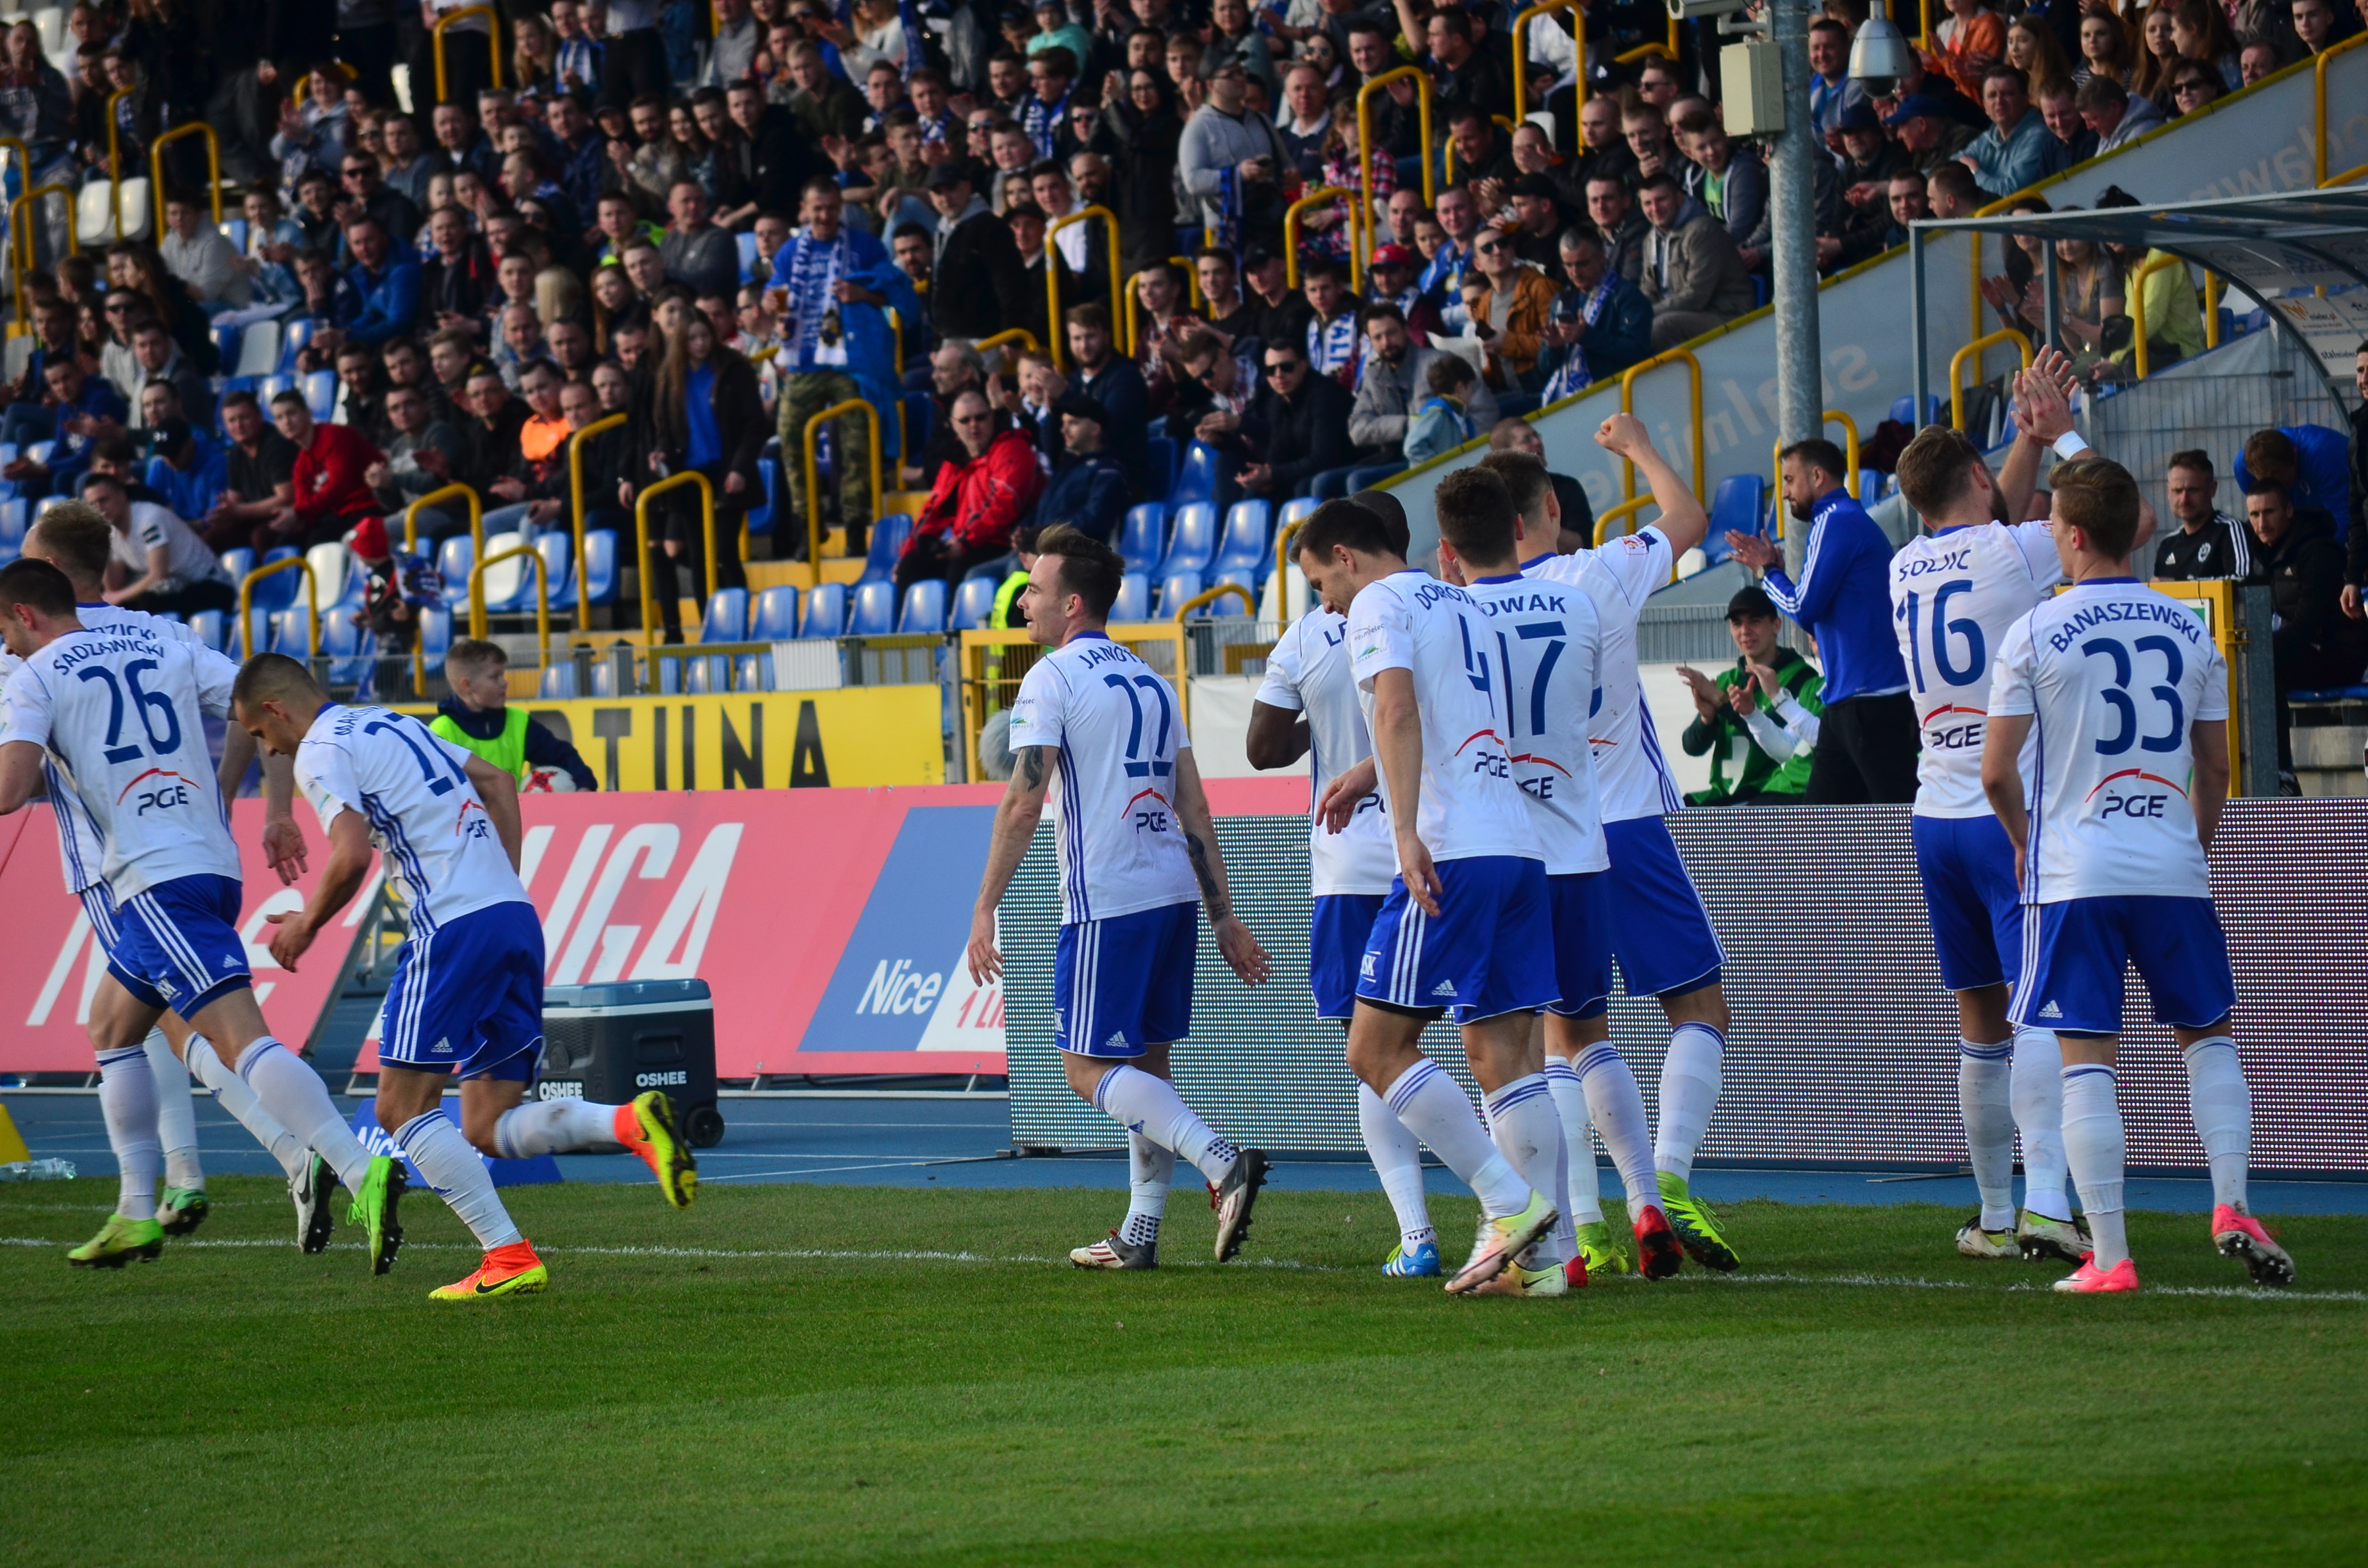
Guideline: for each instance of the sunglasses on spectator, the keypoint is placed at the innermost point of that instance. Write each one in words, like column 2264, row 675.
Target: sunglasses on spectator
column 1280, row 366
column 1489, row 247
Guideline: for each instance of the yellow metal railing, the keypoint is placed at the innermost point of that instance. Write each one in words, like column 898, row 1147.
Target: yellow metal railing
column 1604, row 520
column 2319, row 113
column 2211, row 310
column 493, row 41
column 448, row 492
column 2136, row 290
column 1004, row 339
column 477, row 613
column 1421, row 80
column 156, row 173
column 1052, row 280
column 642, row 539
column 1212, row 595
column 114, row 162
column 1628, row 405
column 1521, row 45
column 1667, row 50
column 21, row 235
column 1849, row 456
column 575, row 444
column 1973, row 351
column 247, row 650
column 812, row 470
column 1316, row 198
column 1133, row 311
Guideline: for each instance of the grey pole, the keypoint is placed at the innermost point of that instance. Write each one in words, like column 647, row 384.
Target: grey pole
column 1923, row 382
column 1800, row 376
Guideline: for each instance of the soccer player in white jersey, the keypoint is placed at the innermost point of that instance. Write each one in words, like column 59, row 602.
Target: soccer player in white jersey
column 1955, row 593
column 1307, row 707
column 77, row 539
column 1663, row 939
column 467, row 993
column 1100, row 731
column 119, row 718
column 1467, row 928
column 1548, row 644
column 2125, row 701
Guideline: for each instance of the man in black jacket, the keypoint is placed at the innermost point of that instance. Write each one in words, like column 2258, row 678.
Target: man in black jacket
column 980, row 283
column 1297, row 425
column 773, row 161
column 2315, row 644
column 1088, row 489
column 2209, row 543
column 1111, row 380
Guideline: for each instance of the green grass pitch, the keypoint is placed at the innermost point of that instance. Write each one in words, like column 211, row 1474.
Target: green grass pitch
column 826, row 1374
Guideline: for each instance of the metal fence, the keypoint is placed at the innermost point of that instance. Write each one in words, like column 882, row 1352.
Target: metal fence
column 1844, row 1045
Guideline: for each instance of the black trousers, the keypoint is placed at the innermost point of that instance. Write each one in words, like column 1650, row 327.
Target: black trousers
column 677, row 516
column 2301, row 667
column 1865, row 754
column 632, row 63
column 193, row 598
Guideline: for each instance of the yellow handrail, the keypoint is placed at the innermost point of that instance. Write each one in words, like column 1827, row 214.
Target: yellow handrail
column 1019, row 335
column 1282, row 545
column 1421, row 80
column 247, row 604
column 21, row 234
column 2211, row 310
column 156, row 172
column 1603, row 521
column 1212, row 595
column 115, row 162
column 1183, row 263
column 450, row 492
column 1052, row 277
column 903, row 444
column 813, row 474
column 493, row 41
column 642, row 537
column 1643, row 51
column 2136, row 292
column 1973, row 351
column 1291, row 234
column 1521, row 49
column 477, row 612
column 1628, row 405
column 575, row 490
column 1134, row 310
column 2319, row 77
column 1850, row 457
column 1924, row 41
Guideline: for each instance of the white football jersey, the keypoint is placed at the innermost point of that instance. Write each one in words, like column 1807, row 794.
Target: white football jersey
column 2114, row 674
column 1308, row 671
column 1548, row 644
column 410, row 785
column 1953, row 596
column 1631, row 780
column 80, row 852
column 1116, row 730
column 1471, row 804
column 122, row 712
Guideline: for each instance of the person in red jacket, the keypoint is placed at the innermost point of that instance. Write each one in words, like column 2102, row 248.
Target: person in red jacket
column 976, row 503
column 331, row 495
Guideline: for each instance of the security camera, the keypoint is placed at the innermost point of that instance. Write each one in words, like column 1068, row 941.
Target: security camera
column 1880, row 56
column 1702, row 11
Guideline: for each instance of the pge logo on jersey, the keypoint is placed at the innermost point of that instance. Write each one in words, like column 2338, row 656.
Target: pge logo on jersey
column 157, row 790
column 1150, row 812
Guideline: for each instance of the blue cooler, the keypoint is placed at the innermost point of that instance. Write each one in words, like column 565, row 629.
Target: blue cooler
column 613, row 1042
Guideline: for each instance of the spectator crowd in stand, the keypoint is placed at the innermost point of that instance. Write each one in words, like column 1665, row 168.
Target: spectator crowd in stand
column 721, row 221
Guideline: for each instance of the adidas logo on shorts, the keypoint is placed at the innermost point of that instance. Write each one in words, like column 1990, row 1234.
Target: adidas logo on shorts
column 2050, row 1011
column 1444, row 988
column 1115, row 1042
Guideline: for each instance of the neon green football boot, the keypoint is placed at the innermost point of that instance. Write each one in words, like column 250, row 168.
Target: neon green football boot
column 184, row 1208
column 1697, row 1231
column 119, row 1242
column 374, row 1207
column 1602, row 1251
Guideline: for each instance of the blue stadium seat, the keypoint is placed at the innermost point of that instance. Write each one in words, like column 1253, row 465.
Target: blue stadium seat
column 727, row 617
column 320, row 394
column 824, row 612
column 1870, row 486
column 974, row 603
column 289, row 633
column 234, row 231
column 875, row 609
column 755, row 672
column 1367, row 477
column 1514, row 405
column 278, row 591
column 701, row 676
column 15, row 516
column 888, row 536
column 600, row 565
column 1133, row 601
column 1176, row 589
column 1737, row 503
column 1244, row 545
column 294, row 336
column 1229, row 605
column 747, row 258
column 1159, row 462
column 435, row 636
column 257, row 637
column 775, row 618
column 760, row 517
column 604, row 677
column 925, row 606
column 208, row 625
column 458, row 554
column 349, row 648
column 558, row 683
column 557, row 548
column 1193, row 544
column 1199, row 479
column 1296, row 510
column 226, row 344
column 920, row 424
column 2331, row 694
column 1145, row 535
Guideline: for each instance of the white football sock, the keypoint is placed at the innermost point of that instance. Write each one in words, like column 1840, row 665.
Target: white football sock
column 232, row 1094
column 1582, row 1201
column 1150, row 1172
column 1146, row 1103
column 1689, row 1093
column 1396, row 1154
column 2038, row 1091
column 1616, row 1108
column 295, row 1097
column 1435, row 1110
column 127, row 1099
column 2092, row 1142
column 2223, row 1108
column 556, row 1127
column 458, row 1173
column 1527, row 1131
column 1986, row 1102
column 176, row 1119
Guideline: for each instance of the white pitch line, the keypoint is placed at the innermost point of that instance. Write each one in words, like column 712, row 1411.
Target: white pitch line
column 1716, row 1282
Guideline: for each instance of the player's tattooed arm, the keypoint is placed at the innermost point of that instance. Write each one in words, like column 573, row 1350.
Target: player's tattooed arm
column 1234, row 944
column 1016, row 816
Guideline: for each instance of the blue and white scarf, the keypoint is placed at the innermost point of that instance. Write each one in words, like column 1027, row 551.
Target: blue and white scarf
column 1574, row 373
column 1043, row 120
column 1332, row 346
column 814, row 270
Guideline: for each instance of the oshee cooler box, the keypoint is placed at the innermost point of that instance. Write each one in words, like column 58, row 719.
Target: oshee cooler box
column 611, row 1042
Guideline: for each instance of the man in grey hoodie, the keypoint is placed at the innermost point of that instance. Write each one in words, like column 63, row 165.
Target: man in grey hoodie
column 1224, row 134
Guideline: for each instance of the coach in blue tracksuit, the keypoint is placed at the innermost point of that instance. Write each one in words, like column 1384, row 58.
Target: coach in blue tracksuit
column 1866, row 750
